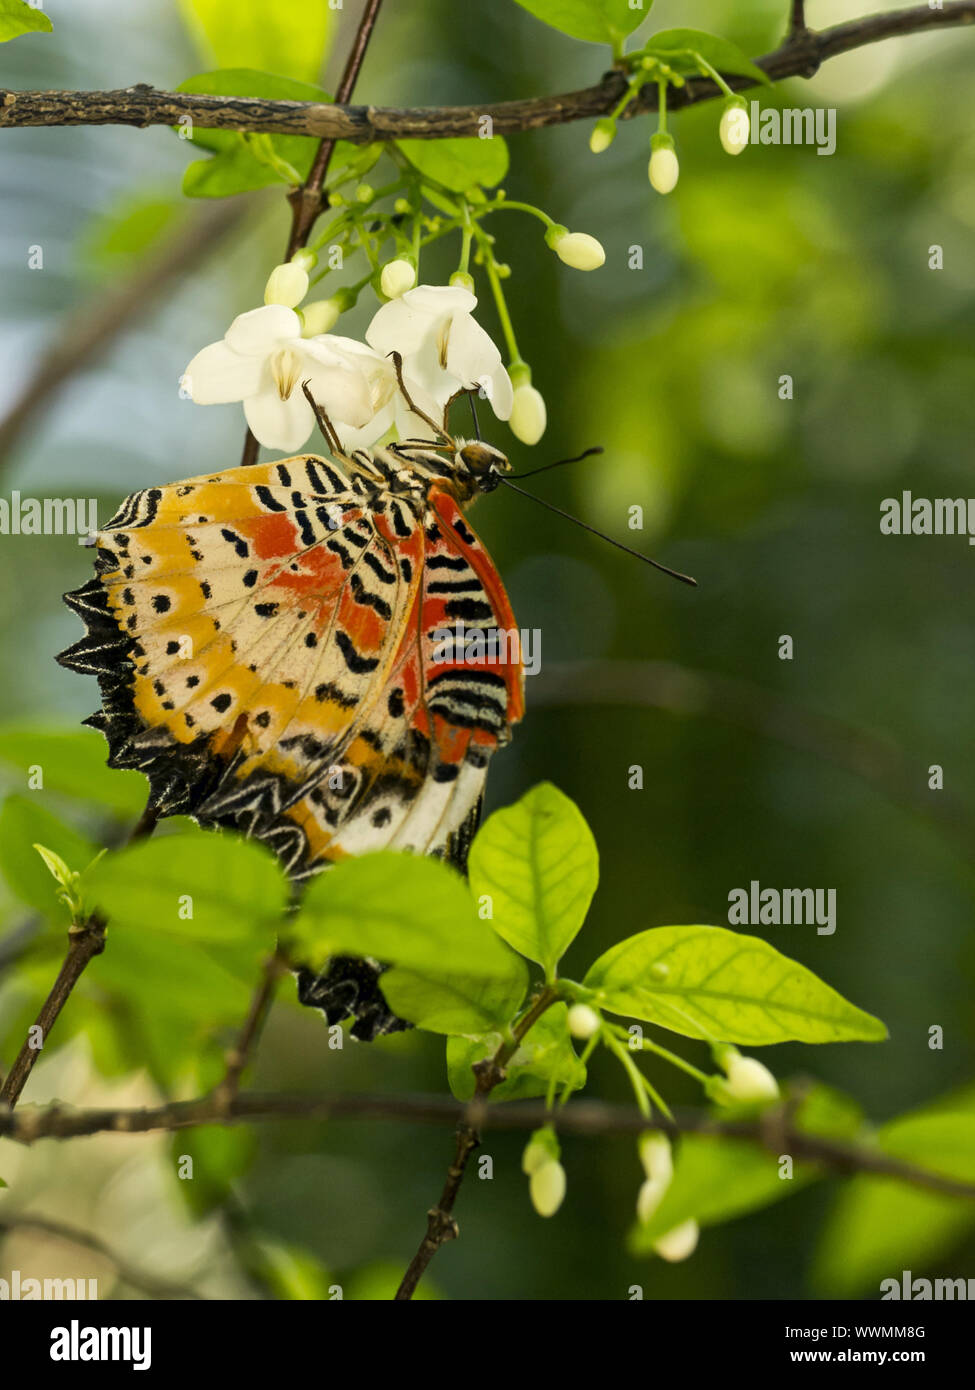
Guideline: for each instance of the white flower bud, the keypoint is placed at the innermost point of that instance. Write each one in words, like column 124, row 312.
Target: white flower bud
column 580, row 250
column 462, row 280
column 320, row 317
column 748, row 1078
column 656, row 1155
column 542, row 1147
column 678, row 1243
column 649, row 1197
column 528, row 417
column 547, row 1187
column 287, row 284
column 664, row 168
column 603, row 135
column 583, row 1022
column 305, row 258
column 735, row 127
column 397, row 277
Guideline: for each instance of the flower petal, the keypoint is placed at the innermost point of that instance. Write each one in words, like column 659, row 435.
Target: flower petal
column 279, row 424
column 259, row 331
column 470, row 352
column 217, row 375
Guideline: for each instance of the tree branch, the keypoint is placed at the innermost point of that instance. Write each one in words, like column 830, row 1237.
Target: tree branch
column 774, row 1130
column 799, row 56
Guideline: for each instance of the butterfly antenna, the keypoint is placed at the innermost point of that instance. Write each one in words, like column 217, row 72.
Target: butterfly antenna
column 586, row 453
column 324, row 423
column 674, row 574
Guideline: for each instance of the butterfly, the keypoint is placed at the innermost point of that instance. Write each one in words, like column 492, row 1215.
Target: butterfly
column 282, row 650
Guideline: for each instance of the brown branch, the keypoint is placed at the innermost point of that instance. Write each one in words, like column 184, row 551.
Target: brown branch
column 441, row 1225
column 95, row 325
column 85, row 941
column 306, row 201
column 774, row 1131
column 250, row 1033
column 797, row 20
column 142, row 105
column 128, row 1273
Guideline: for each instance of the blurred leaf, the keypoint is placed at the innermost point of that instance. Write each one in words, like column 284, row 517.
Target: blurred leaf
column 17, row 17
column 457, row 1003
column 721, row 53
column 221, row 1154
column 537, row 861
column 72, row 761
column 208, row 887
column 880, row 1226
column 459, row 164
column 24, row 823
column 715, row 1180
column 290, row 1272
column 547, row 1051
column 236, row 167
column 129, row 228
column 378, row 1283
column 712, row 983
column 289, row 37
column 597, row 21
column 404, row 910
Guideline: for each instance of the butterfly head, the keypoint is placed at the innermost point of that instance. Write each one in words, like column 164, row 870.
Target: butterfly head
column 482, row 464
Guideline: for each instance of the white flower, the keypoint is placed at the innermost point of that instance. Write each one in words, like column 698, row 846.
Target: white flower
column 583, row 1021
column 657, row 1158
column 528, row 415
column 287, row 284
column 678, row 1243
column 664, row 168
column 443, row 349
column 397, row 277
column 748, row 1078
column 735, row 127
column 547, row 1187
column 263, row 361
column 577, row 249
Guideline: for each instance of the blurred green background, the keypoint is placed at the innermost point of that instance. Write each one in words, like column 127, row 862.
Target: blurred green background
column 810, row 772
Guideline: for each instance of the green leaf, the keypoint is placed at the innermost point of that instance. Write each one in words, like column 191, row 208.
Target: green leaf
column 403, row 910
column 546, row 1052
column 721, row 53
column 289, row 37
column 206, row 887
column 221, row 1155
column 290, row 1272
column 712, row 983
column 459, row 164
column 72, row 761
column 240, row 166
column 24, row 822
column 457, row 1003
column 596, row 21
column 880, row 1226
column 130, row 227
column 716, row 1180
column 537, row 862
column 17, row 17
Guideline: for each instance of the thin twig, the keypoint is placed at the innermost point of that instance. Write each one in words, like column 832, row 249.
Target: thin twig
column 306, row 201
column 143, row 105
column 128, row 1273
column 250, row 1033
column 583, row 1117
column 797, row 19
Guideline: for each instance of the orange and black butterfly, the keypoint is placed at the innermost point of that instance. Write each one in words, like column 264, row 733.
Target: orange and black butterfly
column 269, row 645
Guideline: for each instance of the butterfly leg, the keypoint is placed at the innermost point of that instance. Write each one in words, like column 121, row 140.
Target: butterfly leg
column 439, row 429
column 324, row 423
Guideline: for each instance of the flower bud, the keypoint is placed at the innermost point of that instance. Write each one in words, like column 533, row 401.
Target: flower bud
column 461, row 280
column 542, row 1147
column 305, row 258
column 735, row 127
column 678, row 1243
column 583, row 1022
column 656, row 1155
column 664, row 168
column 603, row 135
column 397, row 277
column 580, row 250
column 402, row 206
column 365, row 193
column 748, row 1078
column 287, row 284
column 528, row 417
column 648, row 1199
column 320, row 317
column 547, row 1187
